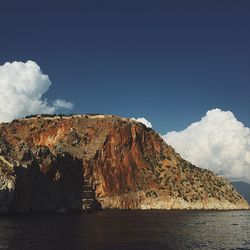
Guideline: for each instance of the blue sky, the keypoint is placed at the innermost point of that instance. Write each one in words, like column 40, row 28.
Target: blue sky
column 168, row 61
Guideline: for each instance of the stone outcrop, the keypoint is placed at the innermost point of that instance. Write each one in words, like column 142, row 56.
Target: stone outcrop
column 84, row 162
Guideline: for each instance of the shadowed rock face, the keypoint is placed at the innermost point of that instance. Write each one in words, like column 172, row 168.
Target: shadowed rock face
column 44, row 163
column 35, row 187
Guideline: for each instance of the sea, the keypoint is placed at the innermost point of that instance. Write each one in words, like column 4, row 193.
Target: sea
column 127, row 229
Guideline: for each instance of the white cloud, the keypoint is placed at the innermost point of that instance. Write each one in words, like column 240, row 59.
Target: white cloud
column 22, row 86
column 143, row 121
column 62, row 104
column 218, row 142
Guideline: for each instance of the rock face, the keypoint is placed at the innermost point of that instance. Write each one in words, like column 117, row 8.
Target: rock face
column 93, row 161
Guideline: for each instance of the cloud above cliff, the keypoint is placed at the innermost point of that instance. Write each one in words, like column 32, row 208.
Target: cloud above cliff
column 218, row 142
column 143, row 121
column 58, row 104
column 22, row 86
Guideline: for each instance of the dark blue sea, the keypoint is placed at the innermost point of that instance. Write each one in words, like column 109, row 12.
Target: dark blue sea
column 114, row 229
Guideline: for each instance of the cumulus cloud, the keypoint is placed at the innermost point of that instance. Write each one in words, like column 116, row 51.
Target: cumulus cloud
column 218, row 142
column 22, row 86
column 143, row 121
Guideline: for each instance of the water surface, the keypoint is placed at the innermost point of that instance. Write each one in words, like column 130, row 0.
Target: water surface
column 114, row 229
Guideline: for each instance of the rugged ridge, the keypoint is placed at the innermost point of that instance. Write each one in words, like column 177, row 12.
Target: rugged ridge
column 91, row 161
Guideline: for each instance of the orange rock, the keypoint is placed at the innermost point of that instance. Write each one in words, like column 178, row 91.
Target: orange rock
column 127, row 164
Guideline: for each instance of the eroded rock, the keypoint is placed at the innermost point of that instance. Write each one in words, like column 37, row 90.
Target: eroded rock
column 47, row 161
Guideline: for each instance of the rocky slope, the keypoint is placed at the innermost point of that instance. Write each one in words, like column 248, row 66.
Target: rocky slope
column 82, row 161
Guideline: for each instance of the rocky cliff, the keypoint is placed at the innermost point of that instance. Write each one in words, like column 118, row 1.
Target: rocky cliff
column 81, row 161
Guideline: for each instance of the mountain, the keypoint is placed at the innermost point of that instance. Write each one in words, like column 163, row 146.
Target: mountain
column 58, row 163
column 243, row 188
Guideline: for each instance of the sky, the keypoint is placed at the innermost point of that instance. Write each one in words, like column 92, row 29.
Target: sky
column 169, row 62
